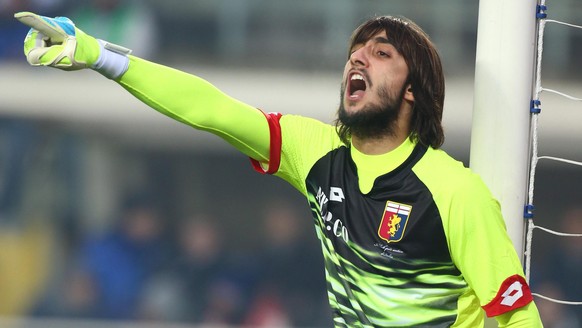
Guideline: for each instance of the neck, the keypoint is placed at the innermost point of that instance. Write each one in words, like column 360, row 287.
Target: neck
column 378, row 146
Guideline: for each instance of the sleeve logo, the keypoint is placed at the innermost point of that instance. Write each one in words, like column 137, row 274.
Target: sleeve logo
column 512, row 294
column 394, row 221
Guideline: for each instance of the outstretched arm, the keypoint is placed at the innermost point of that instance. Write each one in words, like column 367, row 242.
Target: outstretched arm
column 57, row 42
column 196, row 102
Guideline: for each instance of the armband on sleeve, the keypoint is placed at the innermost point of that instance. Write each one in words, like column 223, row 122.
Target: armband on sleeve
column 513, row 293
column 274, row 146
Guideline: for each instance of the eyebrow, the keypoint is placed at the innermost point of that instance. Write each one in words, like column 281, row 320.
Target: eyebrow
column 377, row 39
column 381, row 39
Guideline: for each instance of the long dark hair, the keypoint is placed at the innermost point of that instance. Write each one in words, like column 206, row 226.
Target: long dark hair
column 425, row 75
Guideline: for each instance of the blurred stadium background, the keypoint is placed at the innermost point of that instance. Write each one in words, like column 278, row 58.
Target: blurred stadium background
column 112, row 214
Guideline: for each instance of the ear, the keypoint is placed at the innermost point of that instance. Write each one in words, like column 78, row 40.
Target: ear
column 408, row 94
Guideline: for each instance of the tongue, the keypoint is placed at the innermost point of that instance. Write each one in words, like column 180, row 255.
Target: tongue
column 358, row 94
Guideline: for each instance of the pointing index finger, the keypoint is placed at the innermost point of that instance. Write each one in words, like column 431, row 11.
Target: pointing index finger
column 50, row 27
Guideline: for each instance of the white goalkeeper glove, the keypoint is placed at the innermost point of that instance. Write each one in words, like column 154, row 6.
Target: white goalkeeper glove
column 57, row 42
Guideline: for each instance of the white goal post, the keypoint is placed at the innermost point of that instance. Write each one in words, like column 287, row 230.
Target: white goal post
column 504, row 69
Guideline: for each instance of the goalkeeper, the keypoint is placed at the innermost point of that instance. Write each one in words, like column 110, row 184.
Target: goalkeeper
column 410, row 237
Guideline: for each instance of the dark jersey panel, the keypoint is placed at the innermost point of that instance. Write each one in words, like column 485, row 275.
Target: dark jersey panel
column 385, row 251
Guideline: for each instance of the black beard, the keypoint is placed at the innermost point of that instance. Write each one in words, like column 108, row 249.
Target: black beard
column 374, row 120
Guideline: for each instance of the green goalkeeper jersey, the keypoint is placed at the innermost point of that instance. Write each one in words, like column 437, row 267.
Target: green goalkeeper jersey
column 410, row 238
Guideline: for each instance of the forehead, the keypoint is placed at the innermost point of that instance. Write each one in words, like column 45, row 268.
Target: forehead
column 377, row 35
column 363, row 35
column 380, row 37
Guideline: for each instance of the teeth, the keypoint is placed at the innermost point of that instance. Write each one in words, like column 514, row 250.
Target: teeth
column 357, row 77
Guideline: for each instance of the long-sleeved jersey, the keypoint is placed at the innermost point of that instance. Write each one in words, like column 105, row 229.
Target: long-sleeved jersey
column 410, row 238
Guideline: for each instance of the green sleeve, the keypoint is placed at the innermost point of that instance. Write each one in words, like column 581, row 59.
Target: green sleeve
column 524, row 317
column 197, row 103
column 476, row 233
column 477, row 237
column 482, row 249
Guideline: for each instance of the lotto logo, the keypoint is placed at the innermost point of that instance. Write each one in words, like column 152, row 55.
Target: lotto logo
column 512, row 294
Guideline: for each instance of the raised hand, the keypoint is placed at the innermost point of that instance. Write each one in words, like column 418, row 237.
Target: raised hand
column 57, row 42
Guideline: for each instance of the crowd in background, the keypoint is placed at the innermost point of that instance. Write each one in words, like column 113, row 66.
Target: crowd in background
column 558, row 273
column 149, row 265
column 145, row 263
column 131, row 23
column 233, row 33
column 138, row 271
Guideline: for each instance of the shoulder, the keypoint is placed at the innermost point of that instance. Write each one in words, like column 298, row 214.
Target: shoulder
column 293, row 123
column 464, row 201
column 304, row 141
column 442, row 173
column 298, row 132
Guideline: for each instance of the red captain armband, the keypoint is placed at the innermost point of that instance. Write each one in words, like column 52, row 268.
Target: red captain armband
column 513, row 294
column 274, row 145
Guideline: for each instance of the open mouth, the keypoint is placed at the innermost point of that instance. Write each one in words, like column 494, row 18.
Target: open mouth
column 357, row 85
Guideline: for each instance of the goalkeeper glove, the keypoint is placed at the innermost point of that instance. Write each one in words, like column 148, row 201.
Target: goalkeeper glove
column 57, row 42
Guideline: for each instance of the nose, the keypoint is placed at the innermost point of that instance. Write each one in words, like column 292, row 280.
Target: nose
column 360, row 57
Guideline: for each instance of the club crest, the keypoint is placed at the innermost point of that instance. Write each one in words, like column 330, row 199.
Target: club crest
column 394, row 221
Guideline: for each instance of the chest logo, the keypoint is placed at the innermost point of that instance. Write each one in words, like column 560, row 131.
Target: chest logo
column 394, row 221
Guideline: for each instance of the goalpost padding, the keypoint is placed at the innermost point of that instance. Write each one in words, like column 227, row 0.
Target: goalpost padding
column 504, row 69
